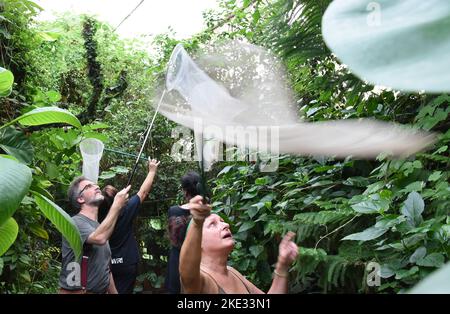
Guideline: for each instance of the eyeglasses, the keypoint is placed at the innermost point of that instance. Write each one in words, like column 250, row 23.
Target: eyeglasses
column 87, row 186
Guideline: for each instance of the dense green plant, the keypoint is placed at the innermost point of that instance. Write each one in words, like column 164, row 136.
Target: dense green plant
column 346, row 212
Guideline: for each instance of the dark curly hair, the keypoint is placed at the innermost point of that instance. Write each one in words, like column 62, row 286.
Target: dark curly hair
column 189, row 183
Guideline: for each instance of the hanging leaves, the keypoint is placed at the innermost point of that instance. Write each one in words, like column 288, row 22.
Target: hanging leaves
column 62, row 221
column 46, row 115
column 16, row 144
column 8, row 234
column 6, row 82
column 15, row 180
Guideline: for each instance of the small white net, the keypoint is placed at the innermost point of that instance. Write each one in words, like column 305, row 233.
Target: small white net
column 91, row 151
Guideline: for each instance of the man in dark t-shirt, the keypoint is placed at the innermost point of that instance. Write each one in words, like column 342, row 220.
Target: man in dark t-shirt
column 124, row 247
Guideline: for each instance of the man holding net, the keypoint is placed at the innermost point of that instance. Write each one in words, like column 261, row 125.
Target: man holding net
column 93, row 275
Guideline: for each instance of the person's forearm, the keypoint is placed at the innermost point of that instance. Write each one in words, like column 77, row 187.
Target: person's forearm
column 147, row 185
column 101, row 235
column 280, row 280
column 190, row 258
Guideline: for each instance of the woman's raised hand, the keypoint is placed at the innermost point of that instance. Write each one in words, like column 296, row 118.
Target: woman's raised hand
column 288, row 251
column 199, row 211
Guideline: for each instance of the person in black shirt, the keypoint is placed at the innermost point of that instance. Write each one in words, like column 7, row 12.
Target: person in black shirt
column 124, row 247
column 179, row 217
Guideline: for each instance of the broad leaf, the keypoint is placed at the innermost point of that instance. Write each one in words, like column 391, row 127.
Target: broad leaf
column 368, row 207
column 253, row 210
column 435, row 283
column 246, row 226
column 105, row 175
column 247, row 196
column 99, row 136
column 36, row 186
column 15, row 143
column 405, row 273
column 399, row 44
column 418, row 254
column 46, row 115
column 8, row 234
column 413, row 208
column 256, row 250
column 39, row 231
column 432, row 260
column 6, row 82
column 62, row 221
column 9, row 157
column 436, row 175
column 120, row 169
column 386, row 271
column 48, row 36
column 416, row 186
column 53, row 96
column 224, row 170
column 15, row 180
column 95, row 126
column 366, row 235
column 262, row 181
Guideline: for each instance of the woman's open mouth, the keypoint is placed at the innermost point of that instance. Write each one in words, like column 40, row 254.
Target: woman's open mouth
column 227, row 235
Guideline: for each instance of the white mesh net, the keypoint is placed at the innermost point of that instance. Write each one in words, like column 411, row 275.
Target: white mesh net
column 253, row 95
column 91, row 151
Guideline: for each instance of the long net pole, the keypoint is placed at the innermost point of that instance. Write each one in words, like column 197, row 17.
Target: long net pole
column 145, row 139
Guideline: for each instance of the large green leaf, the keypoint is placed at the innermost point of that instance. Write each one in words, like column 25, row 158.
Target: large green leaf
column 432, row 260
column 246, row 226
column 15, row 143
column 8, row 234
column 368, row 207
column 15, row 180
column 62, row 221
column 418, row 254
column 394, row 43
column 46, row 115
column 38, row 231
column 412, row 208
column 48, row 36
column 256, row 250
column 366, row 235
column 6, row 82
column 437, row 282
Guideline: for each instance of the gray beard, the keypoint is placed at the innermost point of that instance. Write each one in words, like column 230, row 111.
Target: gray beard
column 95, row 202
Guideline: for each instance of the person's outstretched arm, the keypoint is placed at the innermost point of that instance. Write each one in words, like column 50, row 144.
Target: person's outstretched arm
column 148, row 182
column 191, row 251
column 288, row 252
column 101, row 235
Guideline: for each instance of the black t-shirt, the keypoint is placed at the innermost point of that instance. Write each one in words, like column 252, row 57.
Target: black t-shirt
column 124, row 247
column 178, row 222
